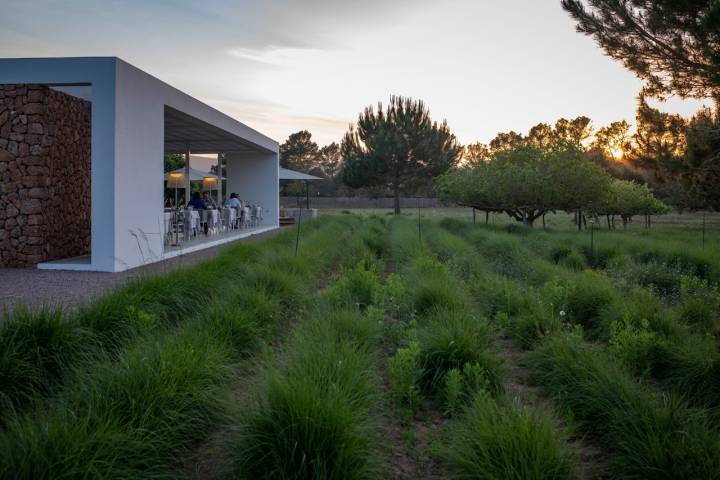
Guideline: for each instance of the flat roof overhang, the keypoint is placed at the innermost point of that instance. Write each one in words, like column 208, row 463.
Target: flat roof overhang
column 184, row 132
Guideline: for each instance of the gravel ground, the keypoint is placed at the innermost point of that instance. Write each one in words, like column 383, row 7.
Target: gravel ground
column 67, row 288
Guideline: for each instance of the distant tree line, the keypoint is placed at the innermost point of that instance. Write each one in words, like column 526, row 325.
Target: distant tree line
column 388, row 155
column 673, row 46
column 526, row 180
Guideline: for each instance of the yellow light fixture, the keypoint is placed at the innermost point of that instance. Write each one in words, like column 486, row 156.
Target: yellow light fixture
column 176, row 180
column 209, row 182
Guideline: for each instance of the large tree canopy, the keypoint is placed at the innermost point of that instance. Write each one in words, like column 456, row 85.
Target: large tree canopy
column 397, row 147
column 673, row 45
column 527, row 181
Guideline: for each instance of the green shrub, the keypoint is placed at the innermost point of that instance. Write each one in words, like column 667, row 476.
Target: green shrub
column 451, row 339
column 453, row 391
column 275, row 283
column 153, row 301
column 260, row 305
column 699, row 305
column 460, row 386
column 573, row 261
column 638, row 305
column 517, row 229
column 118, row 355
column 511, row 442
column 662, row 277
column 650, row 438
column 374, row 238
column 362, row 329
column 124, row 418
column 588, row 295
column 36, row 348
column 357, row 287
column 430, row 288
column 691, row 368
column 500, row 294
column 311, row 418
column 560, row 251
column 633, row 344
column 530, row 327
column 405, row 371
column 240, row 328
column 601, row 256
column 506, row 256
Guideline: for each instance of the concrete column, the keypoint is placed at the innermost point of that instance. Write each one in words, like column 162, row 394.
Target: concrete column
column 220, row 189
column 254, row 177
column 187, row 175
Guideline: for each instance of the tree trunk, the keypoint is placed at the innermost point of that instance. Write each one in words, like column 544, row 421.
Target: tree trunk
column 543, row 219
column 527, row 220
column 578, row 217
column 608, row 221
column 487, row 216
column 397, row 200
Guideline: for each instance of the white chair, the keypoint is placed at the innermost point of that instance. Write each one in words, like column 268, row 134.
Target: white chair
column 212, row 217
column 228, row 218
column 191, row 222
column 246, row 217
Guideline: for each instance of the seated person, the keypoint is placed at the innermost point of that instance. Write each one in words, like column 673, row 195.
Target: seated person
column 209, row 200
column 197, row 202
column 233, row 201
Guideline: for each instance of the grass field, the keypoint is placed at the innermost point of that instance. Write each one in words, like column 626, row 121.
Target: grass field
column 387, row 347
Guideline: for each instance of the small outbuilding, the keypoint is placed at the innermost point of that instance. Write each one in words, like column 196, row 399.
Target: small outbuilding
column 82, row 146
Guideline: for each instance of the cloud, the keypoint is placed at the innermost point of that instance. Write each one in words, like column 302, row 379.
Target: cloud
column 279, row 121
column 271, row 56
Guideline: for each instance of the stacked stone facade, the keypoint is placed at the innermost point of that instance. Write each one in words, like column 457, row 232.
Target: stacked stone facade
column 44, row 175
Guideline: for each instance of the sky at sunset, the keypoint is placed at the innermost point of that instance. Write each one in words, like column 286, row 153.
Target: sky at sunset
column 282, row 65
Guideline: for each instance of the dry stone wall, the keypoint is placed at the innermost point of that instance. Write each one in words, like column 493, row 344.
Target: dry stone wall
column 44, row 175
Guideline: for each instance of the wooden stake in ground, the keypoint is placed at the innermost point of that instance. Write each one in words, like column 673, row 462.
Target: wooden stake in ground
column 297, row 237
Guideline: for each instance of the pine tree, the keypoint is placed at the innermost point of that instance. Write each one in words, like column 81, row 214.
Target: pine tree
column 673, row 45
column 397, row 147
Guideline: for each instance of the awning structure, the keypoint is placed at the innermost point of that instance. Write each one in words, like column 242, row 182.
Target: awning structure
column 292, row 175
column 184, row 132
column 287, row 174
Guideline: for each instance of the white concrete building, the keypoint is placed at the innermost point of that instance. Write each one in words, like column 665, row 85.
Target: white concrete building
column 135, row 120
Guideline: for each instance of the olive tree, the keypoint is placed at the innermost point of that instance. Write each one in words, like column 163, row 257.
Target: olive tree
column 526, row 182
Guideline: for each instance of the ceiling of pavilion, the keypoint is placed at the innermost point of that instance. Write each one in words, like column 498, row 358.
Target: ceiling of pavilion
column 183, row 131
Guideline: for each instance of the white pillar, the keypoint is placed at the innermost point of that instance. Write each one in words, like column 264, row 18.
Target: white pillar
column 220, row 190
column 254, row 176
column 187, row 175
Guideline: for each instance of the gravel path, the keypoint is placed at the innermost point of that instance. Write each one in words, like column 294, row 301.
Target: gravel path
column 67, row 288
